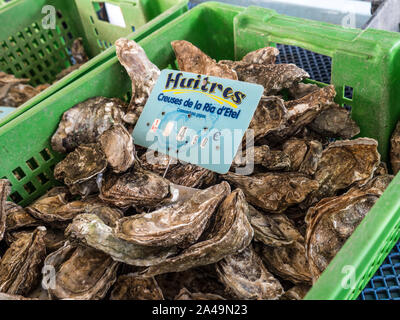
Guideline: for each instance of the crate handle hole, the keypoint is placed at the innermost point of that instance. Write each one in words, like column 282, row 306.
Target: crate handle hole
column 110, row 13
column 348, row 92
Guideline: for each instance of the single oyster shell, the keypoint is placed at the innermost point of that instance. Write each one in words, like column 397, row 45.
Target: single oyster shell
column 157, row 162
column 303, row 111
column 335, row 122
column 185, row 294
column 201, row 279
column 332, row 221
column 15, row 92
column 53, row 239
column 274, row 191
column 270, row 116
column 192, row 176
column 131, row 287
column 18, row 218
column 137, row 187
column 230, row 233
column 92, row 231
column 5, row 190
column 344, row 163
column 273, row 230
column 265, row 55
column 264, row 156
column 299, row 90
column 296, row 293
column 273, row 77
column 192, row 59
column 85, row 122
column 395, row 149
column 45, row 208
column 245, row 275
column 288, row 262
column 178, row 224
column 304, row 154
column 118, row 147
column 142, row 72
column 20, row 265
column 79, row 55
column 84, row 163
column 81, row 273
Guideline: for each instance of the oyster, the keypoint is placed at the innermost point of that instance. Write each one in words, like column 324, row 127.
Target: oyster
column 6, row 296
column 20, row 265
column 265, row 55
column 343, row 163
column 230, row 233
column 178, row 224
column 83, row 164
column 190, row 175
column 79, row 55
column 273, row 77
column 335, row 122
column 137, row 187
column 299, row 90
column 85, row 122
column 270, row 116
column 142, row 72
column 18, row 218
column 288, row 262
column 192, row 59
column 296, row 293
column 157, row 162
column 81, row 273
column 53, row 239
column 304, row 154
column 303, row 111
column 185, row 294
column 395, row 149
column 264, row 156
column 5, row 190
column 131, row 287
column 118, row 147
column 15, row 92
column 273, row 230
column 274, row 191
column 46, row 208
column 245, row 275
column 92, row 231
column 332, row 221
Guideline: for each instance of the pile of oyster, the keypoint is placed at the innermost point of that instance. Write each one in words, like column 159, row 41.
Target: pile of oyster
column 16, row 91
column 129, row 223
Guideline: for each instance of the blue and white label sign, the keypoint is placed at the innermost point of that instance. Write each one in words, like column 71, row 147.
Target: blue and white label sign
column 196, row 118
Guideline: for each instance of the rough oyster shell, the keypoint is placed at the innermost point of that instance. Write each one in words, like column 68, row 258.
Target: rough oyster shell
column 131, row 287
column 274, row 191
column 81, row 273
column 21, row 264
column 86, row 121
column 335, row 122
column 332, row 221
column 18, row 218
column 273, row 77
column 395, row 149
column 118, row 147
column 178, row 224
column 192, row 59
column 142, row 72
column 92, row 231
column 245, row 275
column 5, row 190
column 83, row 164
column 230, row 233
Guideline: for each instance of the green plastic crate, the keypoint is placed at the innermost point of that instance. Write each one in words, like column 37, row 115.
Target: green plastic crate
column 29, row 50
column 367, row 60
